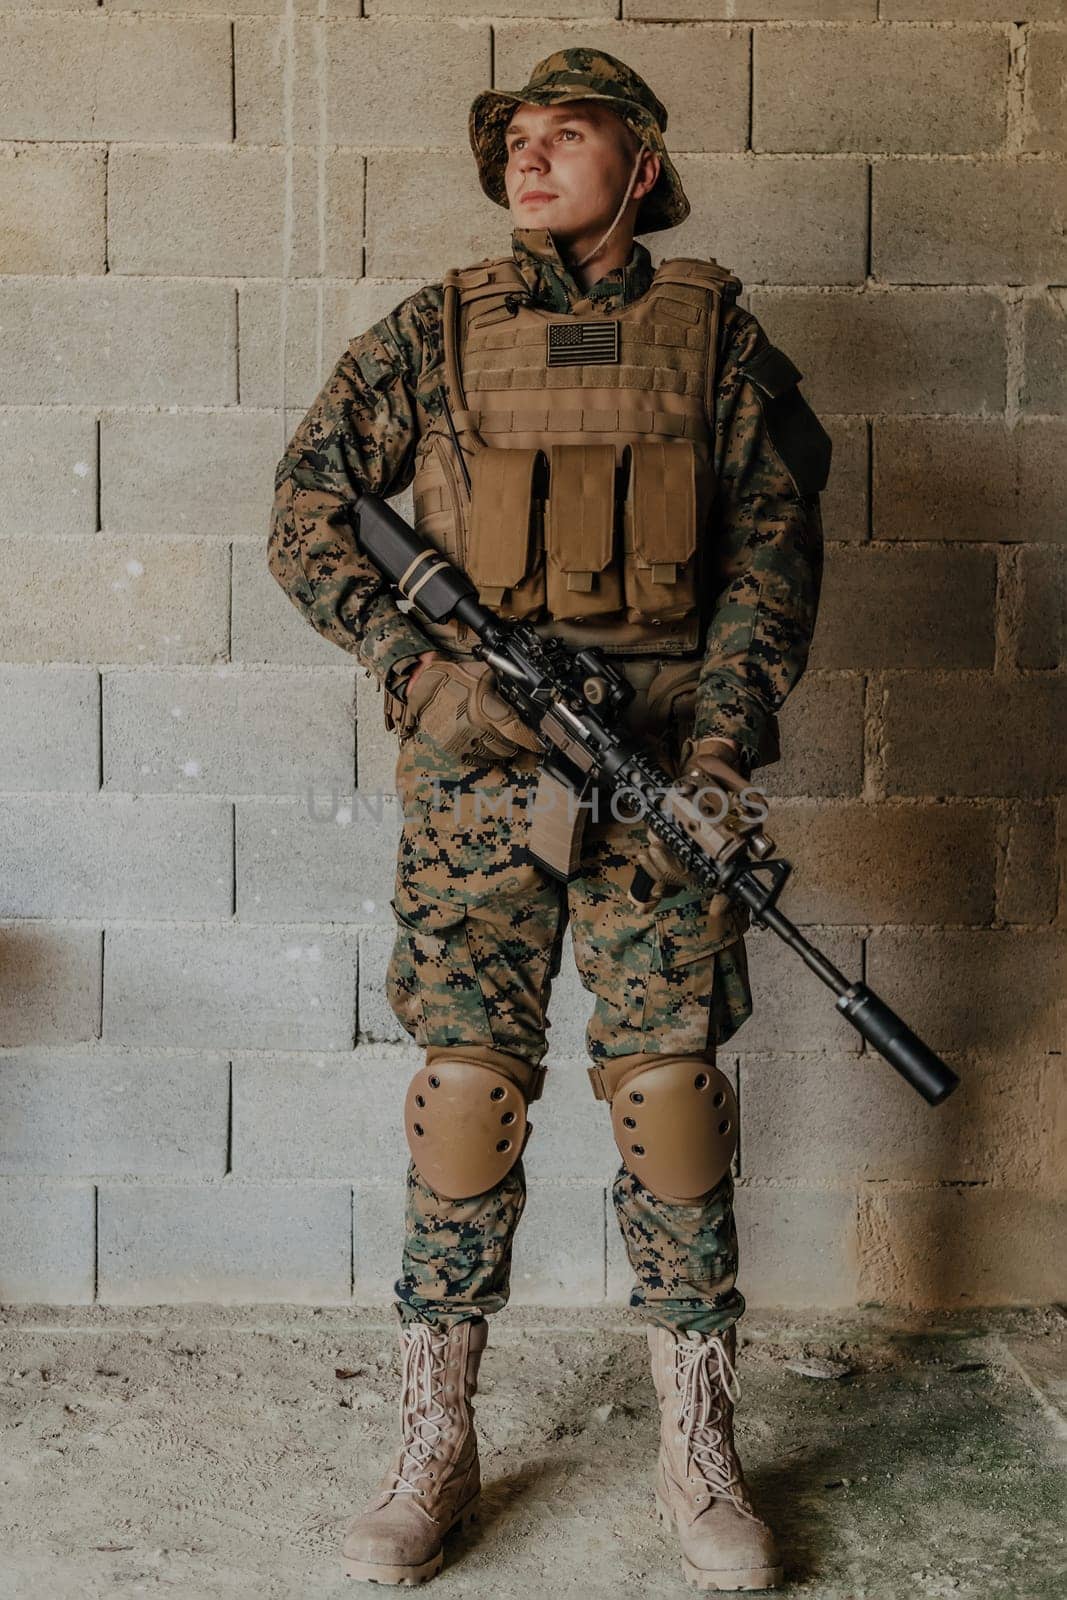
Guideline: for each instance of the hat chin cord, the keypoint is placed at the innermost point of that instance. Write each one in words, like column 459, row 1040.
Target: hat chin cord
column 618, row 215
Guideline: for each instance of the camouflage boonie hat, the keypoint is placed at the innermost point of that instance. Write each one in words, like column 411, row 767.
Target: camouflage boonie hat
column 581, row 75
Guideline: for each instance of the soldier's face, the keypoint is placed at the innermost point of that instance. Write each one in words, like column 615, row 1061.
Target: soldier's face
column 567, row 167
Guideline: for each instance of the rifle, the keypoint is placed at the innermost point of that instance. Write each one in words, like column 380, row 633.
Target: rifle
column 574, row 699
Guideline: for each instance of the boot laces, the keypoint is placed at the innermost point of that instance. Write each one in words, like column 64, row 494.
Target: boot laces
column 421, row 1412
column 704, row 1417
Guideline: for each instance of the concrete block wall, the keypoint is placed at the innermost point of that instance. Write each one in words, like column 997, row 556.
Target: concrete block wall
column 200, row 203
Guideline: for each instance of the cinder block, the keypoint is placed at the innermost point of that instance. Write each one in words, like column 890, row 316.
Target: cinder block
column 329, row 858
column 969, row 478
column 822, row 738
column 249, row 8
column 49, row 728
column 47, row 472
column 829, row 1119
column 558, row 1258
column 1045, row 344
column 757, row 10
column 224, row 1243
column 945, row 478
column 572, row 1136
column 72, row 77
column 115, row 341
column 967, row 222
column 425, row 212
column 879, row 89
column 965, row 10
column 57, row 194
column 110, row 856
column 211, row 475
column 219, row 732
column 1027, row 887
column 337, row 1116
column 46, row 1244
column 796, row 1247
column 1042, row 477
column 969, row 989
column 569, row 1008
column 378, row 1241
column 222, row 988
column 701, row 72
column 216, row 212
column 266, row 628
column 377, row 1024
column 844, row 501
column 51, row 5
column 99, row 599
column 270, row 340
column 963, row 1247
column 460, row 8
column 124, row 1116
column 348, row 309
column 775, row 219
column 887, row 608
column 415, row 82
column 791, row 1008
column 974, row 734
column 1043, row 620
column 886, row 862
column 51, row 988
column 1044, row 127
column 916, row 350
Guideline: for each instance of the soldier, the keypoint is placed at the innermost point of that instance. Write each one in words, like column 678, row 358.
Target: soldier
column 620, row 456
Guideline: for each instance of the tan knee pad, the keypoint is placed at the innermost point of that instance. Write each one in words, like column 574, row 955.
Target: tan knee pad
column 674, row 1120
column 465, row 1116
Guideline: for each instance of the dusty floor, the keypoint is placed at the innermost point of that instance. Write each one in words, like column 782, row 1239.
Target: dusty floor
column 197, row 1452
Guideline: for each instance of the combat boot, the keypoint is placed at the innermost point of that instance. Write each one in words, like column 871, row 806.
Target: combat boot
column 699, row 1483
column 434, row 1481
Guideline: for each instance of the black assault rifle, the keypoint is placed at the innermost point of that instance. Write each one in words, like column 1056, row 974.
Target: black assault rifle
column 573, row 699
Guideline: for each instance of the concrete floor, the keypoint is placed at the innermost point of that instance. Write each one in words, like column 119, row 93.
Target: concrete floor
column 199, row 1452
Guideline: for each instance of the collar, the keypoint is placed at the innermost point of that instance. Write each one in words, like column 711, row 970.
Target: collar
column 552, row 284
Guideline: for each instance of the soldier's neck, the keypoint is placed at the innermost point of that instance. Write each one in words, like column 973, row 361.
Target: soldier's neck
column 614, row 256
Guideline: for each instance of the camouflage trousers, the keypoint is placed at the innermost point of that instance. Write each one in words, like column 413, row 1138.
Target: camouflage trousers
column 479, row 929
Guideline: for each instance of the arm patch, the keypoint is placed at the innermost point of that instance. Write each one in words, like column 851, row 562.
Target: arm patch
column 795, row 431
column 378, row 359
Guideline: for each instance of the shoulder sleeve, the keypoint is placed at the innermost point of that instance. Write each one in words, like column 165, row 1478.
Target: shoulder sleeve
column 359, row 435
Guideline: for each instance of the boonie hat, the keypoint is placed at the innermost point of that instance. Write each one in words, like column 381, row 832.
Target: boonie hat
column 581, row 75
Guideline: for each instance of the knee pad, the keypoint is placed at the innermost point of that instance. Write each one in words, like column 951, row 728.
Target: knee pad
column 465, row 1117
column 674, row 1119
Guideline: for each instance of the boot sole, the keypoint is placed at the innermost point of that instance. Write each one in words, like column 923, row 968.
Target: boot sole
column 378, row 1572
column 720, row 1578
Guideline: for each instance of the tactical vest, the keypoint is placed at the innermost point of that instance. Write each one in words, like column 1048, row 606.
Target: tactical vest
column 590, row 458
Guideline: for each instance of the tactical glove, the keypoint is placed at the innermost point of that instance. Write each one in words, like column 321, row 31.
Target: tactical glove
column 699, row 759
column 454, row 703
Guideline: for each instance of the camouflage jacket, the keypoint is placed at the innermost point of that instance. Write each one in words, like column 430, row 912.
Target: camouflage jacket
column 361, row 433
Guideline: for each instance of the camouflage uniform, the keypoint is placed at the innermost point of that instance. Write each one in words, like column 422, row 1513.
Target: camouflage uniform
column 478, row 926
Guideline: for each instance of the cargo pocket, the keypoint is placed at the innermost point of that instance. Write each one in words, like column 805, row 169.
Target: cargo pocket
column 660, row 530
column 431, row 984
column 683, row 1000
column 505, row 538
column 583, row 577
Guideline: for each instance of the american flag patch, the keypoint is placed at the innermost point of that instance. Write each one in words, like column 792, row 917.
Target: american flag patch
column 574, row 344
